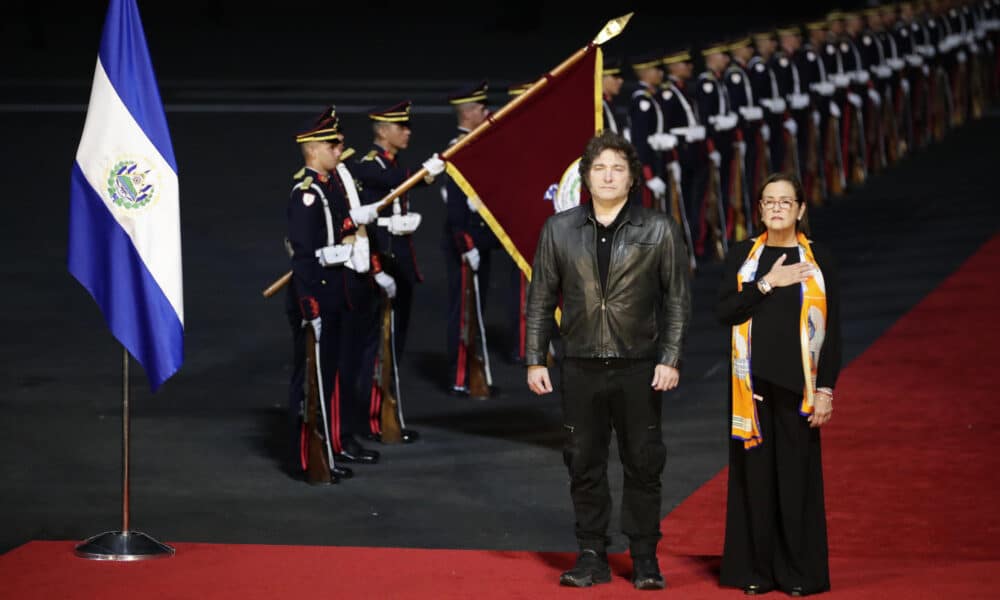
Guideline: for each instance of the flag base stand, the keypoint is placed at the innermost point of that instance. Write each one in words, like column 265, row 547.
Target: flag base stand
column 123, row 546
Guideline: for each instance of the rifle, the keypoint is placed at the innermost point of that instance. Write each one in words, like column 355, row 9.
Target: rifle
column 833, row 162
column 715, row 212
column 471, row 338
column 677, row 209
column 317, row 453
column 739, row 200
column 815, row 185
column 386, row 379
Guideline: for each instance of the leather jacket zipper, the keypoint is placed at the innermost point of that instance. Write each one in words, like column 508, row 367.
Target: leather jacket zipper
column 601, row 285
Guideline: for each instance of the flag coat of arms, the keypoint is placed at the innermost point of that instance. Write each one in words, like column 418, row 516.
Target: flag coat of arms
column 124, row 221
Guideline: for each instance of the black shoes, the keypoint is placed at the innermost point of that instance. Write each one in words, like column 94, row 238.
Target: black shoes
column 338, row 472
column 646, row 573
column 408, row 436
column 591, row 567
column 353, row 452
column 754, row 589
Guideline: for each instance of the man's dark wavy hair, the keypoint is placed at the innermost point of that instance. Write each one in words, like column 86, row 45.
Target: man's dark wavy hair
column 609, row 140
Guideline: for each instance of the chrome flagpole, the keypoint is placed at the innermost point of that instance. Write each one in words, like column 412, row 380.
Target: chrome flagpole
column 124, row 545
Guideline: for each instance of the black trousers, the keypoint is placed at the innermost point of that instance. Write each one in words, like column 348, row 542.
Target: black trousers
column 596, row 396
column 775, row 518
column 296, row 380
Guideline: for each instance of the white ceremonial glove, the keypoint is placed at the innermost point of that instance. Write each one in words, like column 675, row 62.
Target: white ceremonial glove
column 360, row 260
column 472, row 205
column 815, row 117
column 854, row 99
column 364, row 214
column 905, row 85
column 662, row 141
column 741, row 149
column 791, row 126
column 874, row 97
column 716, row 158
column 387, row 283
column 401, row 224
column 434, row 165
column 765, row 132
column 657, row 186
column 834, row 109
column 472, row 257
column 317, row 325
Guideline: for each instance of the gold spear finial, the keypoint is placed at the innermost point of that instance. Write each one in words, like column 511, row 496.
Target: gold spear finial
column 612, row 28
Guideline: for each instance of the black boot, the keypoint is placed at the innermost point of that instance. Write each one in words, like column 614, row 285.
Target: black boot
column 591, row 567
column 646, row 573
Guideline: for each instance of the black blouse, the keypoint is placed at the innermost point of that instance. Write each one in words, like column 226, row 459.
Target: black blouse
column 775, row 353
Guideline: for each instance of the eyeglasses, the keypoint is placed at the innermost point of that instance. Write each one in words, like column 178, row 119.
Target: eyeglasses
column 772, row 204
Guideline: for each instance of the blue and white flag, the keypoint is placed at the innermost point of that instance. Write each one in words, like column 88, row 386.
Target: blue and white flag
column 124, row 215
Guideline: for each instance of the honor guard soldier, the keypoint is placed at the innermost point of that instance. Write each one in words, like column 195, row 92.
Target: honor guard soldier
column 379, row 171
column 907, row 35
column 882, row 23
column 646, row 128
column 720, row 121
column 787, row 72
column 863, row 85
column 752, row 149
column 687, row 164
column 812, row 68
column 468, row 240
column 611, row 86
column 765, row 86
column 318, row 221
column 919, row 61
column 850, row 81
column 368, row 289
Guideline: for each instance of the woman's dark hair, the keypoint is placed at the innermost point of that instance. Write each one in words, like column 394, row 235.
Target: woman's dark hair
column 792, row 180
column 609, row 140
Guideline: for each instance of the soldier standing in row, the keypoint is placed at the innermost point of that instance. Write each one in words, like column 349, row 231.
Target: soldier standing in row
column 687, row 164
column 380, row 171
column 318, row 221
column 468, row 240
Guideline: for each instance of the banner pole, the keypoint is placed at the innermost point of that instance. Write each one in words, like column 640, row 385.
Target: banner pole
column 124, row 545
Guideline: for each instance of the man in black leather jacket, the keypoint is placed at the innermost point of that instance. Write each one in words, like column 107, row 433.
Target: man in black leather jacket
column 621, row 271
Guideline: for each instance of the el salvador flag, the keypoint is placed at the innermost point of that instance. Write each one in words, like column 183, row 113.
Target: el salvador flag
column 124, row 215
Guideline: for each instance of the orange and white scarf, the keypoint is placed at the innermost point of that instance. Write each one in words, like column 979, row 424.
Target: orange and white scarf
column 812, row 330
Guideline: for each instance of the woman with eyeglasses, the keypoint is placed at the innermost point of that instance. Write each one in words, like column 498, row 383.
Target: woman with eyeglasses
column 779, row 294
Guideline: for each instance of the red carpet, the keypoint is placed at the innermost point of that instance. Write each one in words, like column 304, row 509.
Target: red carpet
column 911, row 488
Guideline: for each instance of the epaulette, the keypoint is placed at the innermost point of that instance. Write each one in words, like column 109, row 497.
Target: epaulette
column 299, row 173
column 348, row 153
column 371, row 155
column 306, row 183
column 641, row 92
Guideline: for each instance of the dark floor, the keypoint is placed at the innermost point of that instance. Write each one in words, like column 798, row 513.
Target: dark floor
column 485, row 475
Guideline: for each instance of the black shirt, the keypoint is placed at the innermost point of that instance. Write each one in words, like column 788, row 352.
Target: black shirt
column 775, row 353
column 605, row 237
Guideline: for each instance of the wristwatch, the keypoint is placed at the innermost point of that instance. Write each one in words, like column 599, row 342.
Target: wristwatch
column 764, row 287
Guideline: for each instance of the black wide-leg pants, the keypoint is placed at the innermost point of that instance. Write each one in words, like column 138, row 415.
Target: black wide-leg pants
column 596, row 396
column 775, row 517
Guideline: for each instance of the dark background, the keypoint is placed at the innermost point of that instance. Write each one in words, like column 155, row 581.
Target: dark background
column 237, row 83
